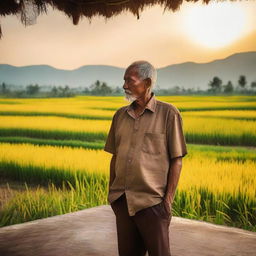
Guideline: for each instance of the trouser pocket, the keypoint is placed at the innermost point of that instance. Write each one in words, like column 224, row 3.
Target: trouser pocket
column 117, row 203
column 161, row 211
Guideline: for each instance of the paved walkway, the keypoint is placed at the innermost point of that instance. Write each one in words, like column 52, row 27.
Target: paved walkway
column 92, row 232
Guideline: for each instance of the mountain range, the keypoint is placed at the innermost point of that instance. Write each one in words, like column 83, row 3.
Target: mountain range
column 187, row 74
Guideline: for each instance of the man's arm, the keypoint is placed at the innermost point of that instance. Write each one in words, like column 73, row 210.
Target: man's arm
column 177, row 149
column 110, row 147
column 173, row 179
column 112, row 170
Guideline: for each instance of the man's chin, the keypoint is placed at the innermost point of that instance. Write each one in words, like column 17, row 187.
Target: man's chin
column 130, row 97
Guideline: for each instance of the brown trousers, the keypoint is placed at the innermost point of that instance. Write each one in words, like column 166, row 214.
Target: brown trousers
column 147, row 230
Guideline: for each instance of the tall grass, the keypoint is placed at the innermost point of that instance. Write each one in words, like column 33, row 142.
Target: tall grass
column 89, row 191
column 219, row 190
column 202, row 204
column 220, row 208
column 200, row 167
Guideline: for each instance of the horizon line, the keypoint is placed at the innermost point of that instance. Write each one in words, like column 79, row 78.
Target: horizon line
column 125, row 67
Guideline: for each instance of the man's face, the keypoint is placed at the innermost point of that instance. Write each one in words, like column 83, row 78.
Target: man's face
column 134, row 87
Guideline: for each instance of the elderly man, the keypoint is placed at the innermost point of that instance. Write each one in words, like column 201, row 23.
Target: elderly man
column 147, row 143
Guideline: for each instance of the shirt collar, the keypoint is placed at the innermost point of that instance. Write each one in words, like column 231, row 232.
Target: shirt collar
column 151, row 105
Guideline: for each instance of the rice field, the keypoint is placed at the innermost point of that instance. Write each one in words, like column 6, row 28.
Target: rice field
column 57, row 145
column 216, row 130
column 225, row 114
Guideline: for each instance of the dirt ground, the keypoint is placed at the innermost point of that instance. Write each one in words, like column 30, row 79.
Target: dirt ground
column 92, row 232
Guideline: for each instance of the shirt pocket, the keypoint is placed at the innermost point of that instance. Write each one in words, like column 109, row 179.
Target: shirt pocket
column 153, row 143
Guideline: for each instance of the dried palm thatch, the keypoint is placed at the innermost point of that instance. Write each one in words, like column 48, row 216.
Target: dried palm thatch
column 28, row 10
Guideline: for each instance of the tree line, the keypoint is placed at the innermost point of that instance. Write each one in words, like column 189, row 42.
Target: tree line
column 215, row 86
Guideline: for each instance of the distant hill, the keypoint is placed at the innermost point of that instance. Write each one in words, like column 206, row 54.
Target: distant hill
column 47, row 75
column 190, row 74
column 187, row 75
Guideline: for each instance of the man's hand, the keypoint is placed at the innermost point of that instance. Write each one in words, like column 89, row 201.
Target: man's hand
column 168, row 198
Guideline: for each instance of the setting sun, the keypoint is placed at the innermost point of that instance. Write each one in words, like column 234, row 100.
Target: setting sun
column 215, row 25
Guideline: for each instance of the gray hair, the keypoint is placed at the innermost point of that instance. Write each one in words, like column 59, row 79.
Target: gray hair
column 145, row 70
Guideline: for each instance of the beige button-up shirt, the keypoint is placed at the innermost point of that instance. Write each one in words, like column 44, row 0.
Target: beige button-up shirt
column 143, row 147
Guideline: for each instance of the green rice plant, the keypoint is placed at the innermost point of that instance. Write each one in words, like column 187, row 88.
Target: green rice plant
column 223, row 209
column 54, row 134
column 66, row 115
column 60, row 143
column 26, row 206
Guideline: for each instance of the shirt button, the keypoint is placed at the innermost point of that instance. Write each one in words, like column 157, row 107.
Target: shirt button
column 129, row 160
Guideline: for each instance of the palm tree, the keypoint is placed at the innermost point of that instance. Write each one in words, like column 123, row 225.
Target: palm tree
column 215, row 84
column 242, row 82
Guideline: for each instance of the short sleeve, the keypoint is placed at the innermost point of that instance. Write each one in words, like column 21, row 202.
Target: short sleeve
column 110, row 142
column 175, row 136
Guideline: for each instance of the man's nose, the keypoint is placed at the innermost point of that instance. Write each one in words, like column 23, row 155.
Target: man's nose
column 125, row 86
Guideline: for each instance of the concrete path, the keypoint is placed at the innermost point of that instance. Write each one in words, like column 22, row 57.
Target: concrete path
column 92, row 232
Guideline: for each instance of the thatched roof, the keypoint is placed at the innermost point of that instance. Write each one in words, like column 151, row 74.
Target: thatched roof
column 28, row 10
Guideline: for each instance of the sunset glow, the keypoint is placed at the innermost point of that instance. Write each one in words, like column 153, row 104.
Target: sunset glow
column 215, row 25
column 197, row 32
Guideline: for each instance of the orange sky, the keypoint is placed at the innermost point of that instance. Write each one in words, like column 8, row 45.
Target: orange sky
column 162, row 39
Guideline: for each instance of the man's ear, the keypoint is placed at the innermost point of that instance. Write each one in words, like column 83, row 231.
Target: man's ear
column 148, row 82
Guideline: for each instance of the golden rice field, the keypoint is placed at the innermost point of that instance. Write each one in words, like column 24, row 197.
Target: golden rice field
column 193, row 123
column 221, row 176
column 57, row 144
column 198, row 129
column 84, row 104
column 232, row 114
column 54, row 123
column 62, row 158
